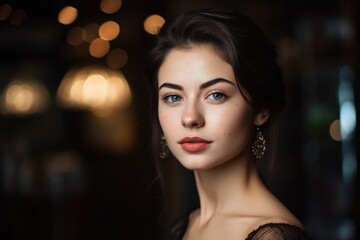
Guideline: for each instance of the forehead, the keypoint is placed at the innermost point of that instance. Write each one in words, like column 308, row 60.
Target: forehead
column 195, row 62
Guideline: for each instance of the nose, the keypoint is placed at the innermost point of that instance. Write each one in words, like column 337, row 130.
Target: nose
column 192, row 117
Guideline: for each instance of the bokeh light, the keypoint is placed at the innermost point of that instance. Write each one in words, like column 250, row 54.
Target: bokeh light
column 5, row 11
column 95, row 88
column 347, row 119
column 18, row 17
column 76, row 36
column 24, row 98
column 67, row 15
column 110, row 6
column 99, row 48
column 109, row 30
column 153, row 23
column 335, row 131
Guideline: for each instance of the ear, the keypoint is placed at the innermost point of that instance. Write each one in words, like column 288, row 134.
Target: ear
column 261, row 117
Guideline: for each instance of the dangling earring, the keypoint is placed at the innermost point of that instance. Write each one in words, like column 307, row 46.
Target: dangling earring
column 164, row 149
column 258, row 147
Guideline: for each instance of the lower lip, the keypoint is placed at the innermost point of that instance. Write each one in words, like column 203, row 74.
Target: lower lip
column 194, row 147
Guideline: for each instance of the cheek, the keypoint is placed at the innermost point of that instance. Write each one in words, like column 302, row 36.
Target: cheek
column 162, row 118
column 166, row 119
column 233, row 123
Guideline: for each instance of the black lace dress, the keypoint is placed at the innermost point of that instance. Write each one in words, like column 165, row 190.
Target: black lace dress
column 270, row 231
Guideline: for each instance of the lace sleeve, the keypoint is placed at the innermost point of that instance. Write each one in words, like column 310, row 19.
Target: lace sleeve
column 278, row 231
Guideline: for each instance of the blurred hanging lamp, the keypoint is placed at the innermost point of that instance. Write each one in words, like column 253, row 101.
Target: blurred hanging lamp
column 96, row 88
column 24, row 97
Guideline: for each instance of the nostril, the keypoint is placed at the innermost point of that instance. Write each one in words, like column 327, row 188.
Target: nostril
column 194, row 125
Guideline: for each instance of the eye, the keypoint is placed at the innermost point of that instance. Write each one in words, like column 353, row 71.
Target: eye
column 216, row 96
column 172, row 98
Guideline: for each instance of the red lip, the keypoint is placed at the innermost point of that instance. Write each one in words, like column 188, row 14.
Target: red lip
column 194, row 144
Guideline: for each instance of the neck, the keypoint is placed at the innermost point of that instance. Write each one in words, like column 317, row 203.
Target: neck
column 227, row 188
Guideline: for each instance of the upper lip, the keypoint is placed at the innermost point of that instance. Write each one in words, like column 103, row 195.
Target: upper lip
column 193, row 140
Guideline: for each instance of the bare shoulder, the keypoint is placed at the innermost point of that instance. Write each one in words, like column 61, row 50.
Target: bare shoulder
column 285, row 219
column 279, row 224
column 262, row 227
column 272, row 222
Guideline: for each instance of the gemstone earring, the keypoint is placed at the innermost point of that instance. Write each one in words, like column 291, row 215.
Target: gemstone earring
column 164, row 149
column 258, row 147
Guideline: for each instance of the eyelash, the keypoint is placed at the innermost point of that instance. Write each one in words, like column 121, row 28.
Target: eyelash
column 223, row 95
column 166, row 97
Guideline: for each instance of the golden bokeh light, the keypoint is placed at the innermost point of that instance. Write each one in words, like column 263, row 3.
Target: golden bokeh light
column 95, row 88
column 5, row 11
column 76, row 36
column 23, row 98
column 67, row 15
column 99, row 48
column 153, row 23
column 110, row 6
column 109, row 30
column 20, row 97
column 335, row 130
column 117, row 58
column 18, row 17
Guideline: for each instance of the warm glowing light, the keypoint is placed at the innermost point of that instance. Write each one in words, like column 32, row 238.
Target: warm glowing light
column 20, row 97
column 24, row 98
column 335, row 131
column 75, row 90
column 109, row 30
column 67, row 15
column 98, row 89
column 117, row 58
column 153, row 23
column 110, row 6
column 99, row 48
column 76, row 36
column 18, row 17
column 91, row 31
column 5, row 11
column 95, row 90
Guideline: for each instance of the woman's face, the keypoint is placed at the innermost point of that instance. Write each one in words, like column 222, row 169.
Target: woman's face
column 205, row 118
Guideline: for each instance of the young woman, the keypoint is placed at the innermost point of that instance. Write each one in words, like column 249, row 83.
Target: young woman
column 217, row 89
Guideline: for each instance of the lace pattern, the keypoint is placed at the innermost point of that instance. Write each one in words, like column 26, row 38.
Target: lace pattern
column 269, row 231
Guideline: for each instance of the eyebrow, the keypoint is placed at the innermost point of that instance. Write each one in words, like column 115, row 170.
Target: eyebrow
column 171, row 85
column 202, row 86
column 215, row 81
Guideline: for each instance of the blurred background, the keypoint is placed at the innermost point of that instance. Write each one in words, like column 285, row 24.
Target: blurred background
column 75, row 156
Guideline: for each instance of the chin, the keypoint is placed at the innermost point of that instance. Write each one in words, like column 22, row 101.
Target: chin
column 198, row 164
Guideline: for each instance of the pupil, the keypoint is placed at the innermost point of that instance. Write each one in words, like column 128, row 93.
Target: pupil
column 217, row 95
